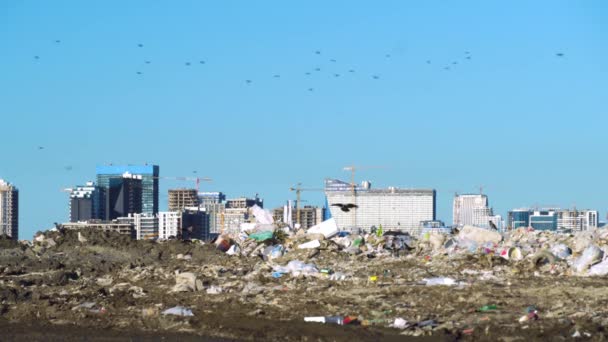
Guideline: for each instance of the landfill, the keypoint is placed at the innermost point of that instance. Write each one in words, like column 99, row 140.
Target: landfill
column 272, row 282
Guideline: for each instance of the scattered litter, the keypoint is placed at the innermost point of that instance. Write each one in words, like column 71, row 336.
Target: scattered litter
column 178, row 311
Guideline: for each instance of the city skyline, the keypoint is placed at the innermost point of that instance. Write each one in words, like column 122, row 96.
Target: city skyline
column 331, row 185
column 519, row 109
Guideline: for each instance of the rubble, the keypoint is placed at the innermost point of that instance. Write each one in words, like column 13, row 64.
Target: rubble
column 380, row 281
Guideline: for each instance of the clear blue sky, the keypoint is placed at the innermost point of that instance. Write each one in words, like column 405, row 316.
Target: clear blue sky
column 528, row 125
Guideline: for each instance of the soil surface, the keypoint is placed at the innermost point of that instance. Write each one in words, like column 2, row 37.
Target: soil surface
column 106, row 287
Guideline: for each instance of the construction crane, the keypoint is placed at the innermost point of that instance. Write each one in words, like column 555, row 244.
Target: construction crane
column 353, row 169
column 298, row 191
column 197, row 180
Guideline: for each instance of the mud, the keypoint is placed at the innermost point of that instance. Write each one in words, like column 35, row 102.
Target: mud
column 111, row 288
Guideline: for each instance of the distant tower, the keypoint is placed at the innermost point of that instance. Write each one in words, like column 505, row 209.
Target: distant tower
column 9, row 210
column 180, row 199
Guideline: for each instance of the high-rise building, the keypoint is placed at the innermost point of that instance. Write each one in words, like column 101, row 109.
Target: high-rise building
column 554, row 219
column 169, row 225
column 463, row 208
column 9, row 210
column 84, row 203
column 392, row 208
column 214, row 206
column 122, row 196
column 195, row 224
column 149, row 183
column 182, row 198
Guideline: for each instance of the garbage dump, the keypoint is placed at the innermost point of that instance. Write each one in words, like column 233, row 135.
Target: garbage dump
column 323, row 282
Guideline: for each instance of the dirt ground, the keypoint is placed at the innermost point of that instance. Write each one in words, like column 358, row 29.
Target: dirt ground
column 109, row 288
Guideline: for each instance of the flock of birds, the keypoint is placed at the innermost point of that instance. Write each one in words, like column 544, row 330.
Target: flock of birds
column 448, row 67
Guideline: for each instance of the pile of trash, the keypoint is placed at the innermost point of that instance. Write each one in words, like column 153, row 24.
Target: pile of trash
column 472, row 282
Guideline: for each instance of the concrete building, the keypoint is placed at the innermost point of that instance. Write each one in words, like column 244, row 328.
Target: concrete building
column 114, row 226
column 145, row 225
column 149, row 180
column 182, row 198
column 309, row 216
column 84, row 203
column 244, row 202
column 9, row 210
column 463, row 208
column 214, row 206
column 577, row 220
column 169, row 225
column 392, row 208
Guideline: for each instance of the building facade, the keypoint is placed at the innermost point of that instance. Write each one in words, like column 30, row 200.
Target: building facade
column 84, row 203
column 392, row 208
column 169, row 225
column 543, row 220
column 114, row 226
column 145, row 225
column 463, row 209
column 9, row 210
column 182, row 198
column 149, row 183
column 518, row 218
column 309, row 216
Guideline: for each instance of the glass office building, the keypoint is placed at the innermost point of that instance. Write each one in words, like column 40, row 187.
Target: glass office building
column 519, row 218
column 544, row 220
column 149, row 180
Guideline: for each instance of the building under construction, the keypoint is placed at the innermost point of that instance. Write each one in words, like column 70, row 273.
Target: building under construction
column 392, row 208
column 180, row 199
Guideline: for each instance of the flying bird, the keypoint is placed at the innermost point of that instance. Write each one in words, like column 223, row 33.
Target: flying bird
column 147, row 62
column 139, row 72
column 68, row 168
column 492, row 225
column 307, row 74
column 428, row 62
column 248, row 81
column 468, row 57
column 454, row 63
column 276, row 76
column 375, row 77
column 36, row 57
column 336, row 75
column 560, row 54
column 467, row 52
column 202, row 62
column 310, row 89
column 140, row 45
column 317, row 69
column 318, row 52
column 187, row 64
column 57, row 41
column 387, row 56
column 40, row 147
column 446, row 68
column 333, row 60
column 345, row 207
column 351, row 70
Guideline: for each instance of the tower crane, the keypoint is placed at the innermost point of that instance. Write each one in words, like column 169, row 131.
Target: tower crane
column 298, row 189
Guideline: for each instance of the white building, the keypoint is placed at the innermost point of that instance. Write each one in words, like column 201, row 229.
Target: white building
column 145, row 225
column 577, row 220
column 463, row 210
column 169, row 224
column 9, row 210
column 392, row 208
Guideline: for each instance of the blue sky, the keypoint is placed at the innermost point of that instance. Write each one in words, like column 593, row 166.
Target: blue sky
column 526, row 124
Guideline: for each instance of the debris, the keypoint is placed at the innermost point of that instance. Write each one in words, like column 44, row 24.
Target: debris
column 479, row 235
column 591, row 256
column 440, row 281
column 178, row 311
column 328, row 228
column 310, row 245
